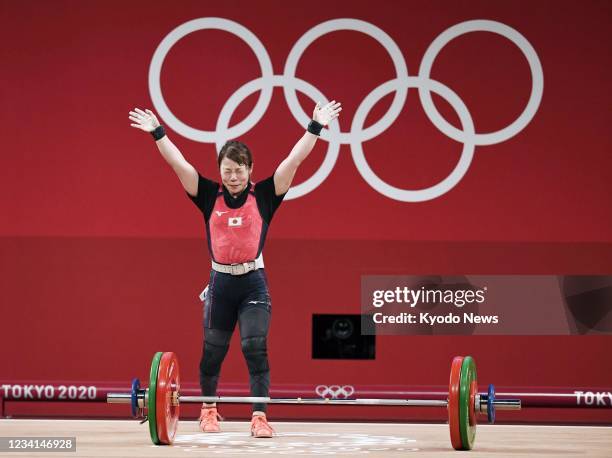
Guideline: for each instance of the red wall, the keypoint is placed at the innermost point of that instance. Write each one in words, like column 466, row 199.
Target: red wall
column 102, row 255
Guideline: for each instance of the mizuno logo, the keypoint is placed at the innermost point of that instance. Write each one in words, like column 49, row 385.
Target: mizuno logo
column 256, row 302
column 219, row 213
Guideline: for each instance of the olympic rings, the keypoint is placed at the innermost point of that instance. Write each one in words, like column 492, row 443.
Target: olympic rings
column 335, row 391
column 357, row 134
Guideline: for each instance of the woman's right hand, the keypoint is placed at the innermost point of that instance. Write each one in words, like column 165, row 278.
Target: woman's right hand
column 144, row 120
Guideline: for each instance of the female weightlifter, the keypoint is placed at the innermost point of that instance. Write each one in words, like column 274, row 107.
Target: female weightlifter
column 237, row 214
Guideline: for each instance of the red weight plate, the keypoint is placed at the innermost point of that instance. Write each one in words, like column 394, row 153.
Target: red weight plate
column 472, row 410
column 453, row 402
column 168, row 385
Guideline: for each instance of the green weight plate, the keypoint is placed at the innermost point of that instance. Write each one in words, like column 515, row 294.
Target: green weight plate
column 468, row 376
column 151, row 405
column 168, row 384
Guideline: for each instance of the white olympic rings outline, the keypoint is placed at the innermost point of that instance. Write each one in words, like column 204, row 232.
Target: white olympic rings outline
column 335, row 391
column 357, row 135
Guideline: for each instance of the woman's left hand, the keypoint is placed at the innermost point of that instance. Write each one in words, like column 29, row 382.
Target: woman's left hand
column 324, row 115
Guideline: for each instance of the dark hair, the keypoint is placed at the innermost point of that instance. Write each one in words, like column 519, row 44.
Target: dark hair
column 237, row 152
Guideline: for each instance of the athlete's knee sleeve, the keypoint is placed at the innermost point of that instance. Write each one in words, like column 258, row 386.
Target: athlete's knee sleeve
column 255, row 350
column 216, row 344
column 212, row 358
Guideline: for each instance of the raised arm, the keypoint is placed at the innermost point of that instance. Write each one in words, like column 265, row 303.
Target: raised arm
column 286, row 170
column 147, row 122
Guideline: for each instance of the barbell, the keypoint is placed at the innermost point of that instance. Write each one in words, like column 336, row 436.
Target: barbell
column 159, row 403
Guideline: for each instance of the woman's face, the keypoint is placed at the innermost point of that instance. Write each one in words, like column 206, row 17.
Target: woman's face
column 234, row 176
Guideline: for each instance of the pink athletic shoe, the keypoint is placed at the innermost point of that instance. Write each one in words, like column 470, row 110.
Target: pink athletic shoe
column 260, row 427
column 209, row 420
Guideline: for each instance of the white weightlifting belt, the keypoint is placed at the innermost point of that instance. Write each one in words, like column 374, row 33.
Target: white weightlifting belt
column 239, row 268
column 235, row 269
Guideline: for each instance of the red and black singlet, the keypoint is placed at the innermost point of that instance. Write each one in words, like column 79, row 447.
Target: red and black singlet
column 236, row 227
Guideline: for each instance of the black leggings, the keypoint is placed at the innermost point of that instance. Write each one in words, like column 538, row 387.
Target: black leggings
column 243, row 299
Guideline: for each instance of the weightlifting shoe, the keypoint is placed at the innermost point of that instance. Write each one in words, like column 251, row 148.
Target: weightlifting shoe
column 209, row 419
column 260, row 427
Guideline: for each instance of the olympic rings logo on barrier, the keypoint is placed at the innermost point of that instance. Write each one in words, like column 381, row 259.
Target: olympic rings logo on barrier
column 335, row 391
column 357, row 134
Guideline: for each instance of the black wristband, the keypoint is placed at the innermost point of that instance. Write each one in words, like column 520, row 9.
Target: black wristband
column 158, row 133
column 314, row 127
